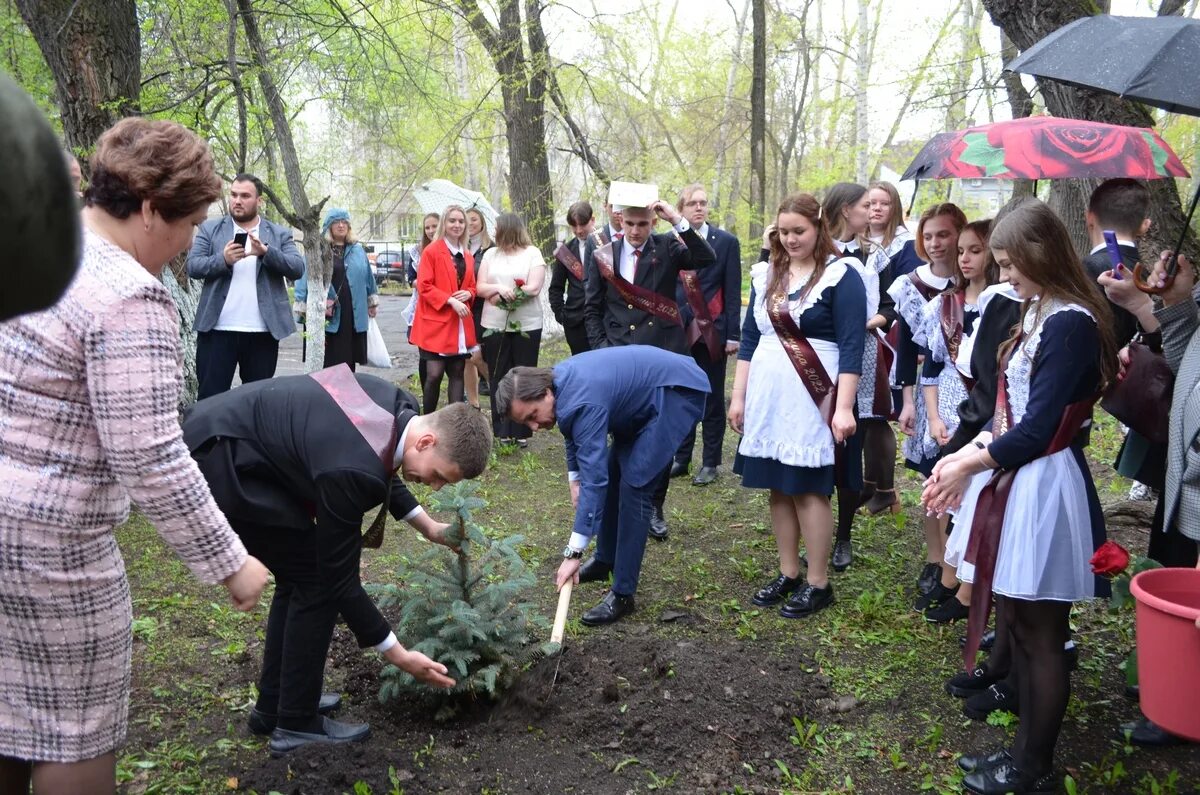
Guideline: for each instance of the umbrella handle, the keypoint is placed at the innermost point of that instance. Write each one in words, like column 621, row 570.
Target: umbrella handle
column 1140, row 272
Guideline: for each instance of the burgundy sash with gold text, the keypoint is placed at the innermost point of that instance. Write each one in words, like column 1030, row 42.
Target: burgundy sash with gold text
column 988, row 521
column 952, row 321
column 816, row 380
column 569, row 261
column 703, row 313
column 648, row 301
column 376, row 424
column 881, row 406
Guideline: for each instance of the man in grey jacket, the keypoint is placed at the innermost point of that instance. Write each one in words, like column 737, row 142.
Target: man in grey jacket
column 244, row 309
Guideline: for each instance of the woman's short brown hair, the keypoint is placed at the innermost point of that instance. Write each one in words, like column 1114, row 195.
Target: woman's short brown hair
column 511, row 234
column 162, row 162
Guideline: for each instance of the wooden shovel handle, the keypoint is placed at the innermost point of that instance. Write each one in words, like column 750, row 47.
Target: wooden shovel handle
column 560, row 616
column 1140, row 272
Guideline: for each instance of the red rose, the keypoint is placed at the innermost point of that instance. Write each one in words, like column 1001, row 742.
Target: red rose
column 1110, row 559
column 519, row 282
column 1055, row 148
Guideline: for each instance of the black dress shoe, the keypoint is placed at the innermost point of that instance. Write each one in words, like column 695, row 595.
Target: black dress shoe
column 965, row 684
column 263, row 723
column 808, row 599
column 1147, row 733
column 842, row 558
column 947, row 612
column 611, row 608
column 658, row 526
column 705, row 476
column 934, row 597
column 678, row 469
column 773, row 592
column 973, row 762
column 594, row 570
column 931, row 575
column 284, row 740
column 1006, row 777
column 999, row 696
column 985, row 643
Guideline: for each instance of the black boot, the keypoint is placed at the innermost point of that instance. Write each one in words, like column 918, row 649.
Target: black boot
column 658, row 525
column 1006, row 777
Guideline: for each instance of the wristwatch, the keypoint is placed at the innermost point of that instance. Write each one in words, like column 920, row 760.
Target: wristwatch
column 570, row 553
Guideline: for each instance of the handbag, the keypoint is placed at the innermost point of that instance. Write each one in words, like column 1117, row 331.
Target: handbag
column 1142, row 399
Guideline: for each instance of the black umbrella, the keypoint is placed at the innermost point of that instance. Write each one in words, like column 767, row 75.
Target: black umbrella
column 1147, row 59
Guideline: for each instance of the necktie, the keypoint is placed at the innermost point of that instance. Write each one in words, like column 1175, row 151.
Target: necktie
column 637, row 252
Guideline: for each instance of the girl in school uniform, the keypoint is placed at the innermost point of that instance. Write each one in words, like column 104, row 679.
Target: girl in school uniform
column 788, row 445
column 937, row 245
column 1053, row 368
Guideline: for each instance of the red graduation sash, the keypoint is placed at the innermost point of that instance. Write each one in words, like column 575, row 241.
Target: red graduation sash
column 988, row 521
column 927, row 291
column 881, row 406
column 952, row 309
column 569, row 261
column 703, row 313
column 646, row 300
column 376, row 425
column 804, row 359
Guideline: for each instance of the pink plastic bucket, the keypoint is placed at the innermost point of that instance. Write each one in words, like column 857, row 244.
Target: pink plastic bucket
column 1168, row 648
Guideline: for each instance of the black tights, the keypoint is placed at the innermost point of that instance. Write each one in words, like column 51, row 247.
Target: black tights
column 879, row 453
column 432, row 388
column 1039, row 632
column 848, row 502
column 96, row 775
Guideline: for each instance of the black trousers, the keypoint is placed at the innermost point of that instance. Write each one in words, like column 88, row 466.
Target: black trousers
column 502, row 351
column 713, row 420
column 252, row 354
column 577, row 339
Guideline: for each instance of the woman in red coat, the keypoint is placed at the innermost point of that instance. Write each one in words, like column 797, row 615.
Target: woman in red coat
column 442, row 328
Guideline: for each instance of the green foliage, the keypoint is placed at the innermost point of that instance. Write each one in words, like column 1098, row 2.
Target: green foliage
column 466, row 610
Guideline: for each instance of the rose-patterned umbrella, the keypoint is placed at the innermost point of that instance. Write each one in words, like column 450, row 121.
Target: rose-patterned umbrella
column 1044, row 147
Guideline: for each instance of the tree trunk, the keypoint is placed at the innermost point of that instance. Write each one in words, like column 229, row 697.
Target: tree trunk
column 304, row 216
column 93, row 49
column 862, row 72
column 722, row 142
column 470, row 167
column 1020, row 102
column 758, row 118
column 523, row 87
column 1026, row 24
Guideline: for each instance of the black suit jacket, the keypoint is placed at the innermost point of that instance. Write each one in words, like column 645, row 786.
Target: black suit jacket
column 569, row 312
column 612, row 321
column 726, row 276
column 281, row 453
column 1126, row 325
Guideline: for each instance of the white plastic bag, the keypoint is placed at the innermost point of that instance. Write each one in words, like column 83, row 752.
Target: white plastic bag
column 377, row 352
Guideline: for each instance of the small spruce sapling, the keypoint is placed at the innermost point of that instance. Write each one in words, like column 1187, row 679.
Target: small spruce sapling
column 466, row 609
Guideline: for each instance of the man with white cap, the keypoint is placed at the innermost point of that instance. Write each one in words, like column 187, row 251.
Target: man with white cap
column 630, row 297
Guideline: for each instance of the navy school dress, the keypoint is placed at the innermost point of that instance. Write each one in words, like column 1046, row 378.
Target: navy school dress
column 786, row 445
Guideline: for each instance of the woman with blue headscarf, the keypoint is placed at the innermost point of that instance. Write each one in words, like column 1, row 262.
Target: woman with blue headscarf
column 352, row 297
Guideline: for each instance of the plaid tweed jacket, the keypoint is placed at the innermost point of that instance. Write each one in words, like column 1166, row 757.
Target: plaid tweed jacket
column 89, row 394
column 1181, row 345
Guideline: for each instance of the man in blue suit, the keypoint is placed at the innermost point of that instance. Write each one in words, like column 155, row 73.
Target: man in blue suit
column 647, row 400
column 244, row 309
column 710, row 304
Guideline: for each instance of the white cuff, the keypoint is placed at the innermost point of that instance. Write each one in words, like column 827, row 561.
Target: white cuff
column 572, row 477
column 413, row 514
column 683, row 225
column 387, row 643
column 579, row 541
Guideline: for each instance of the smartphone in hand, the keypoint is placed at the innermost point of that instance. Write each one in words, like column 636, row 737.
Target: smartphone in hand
column 1114, row 254
column 240, row 238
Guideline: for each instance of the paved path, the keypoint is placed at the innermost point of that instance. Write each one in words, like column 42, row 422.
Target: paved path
column 394, row 329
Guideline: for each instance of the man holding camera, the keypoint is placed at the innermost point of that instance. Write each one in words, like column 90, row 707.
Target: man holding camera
column 244, row 310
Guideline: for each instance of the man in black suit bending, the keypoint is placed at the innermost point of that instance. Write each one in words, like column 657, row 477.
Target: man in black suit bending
column 295, row 463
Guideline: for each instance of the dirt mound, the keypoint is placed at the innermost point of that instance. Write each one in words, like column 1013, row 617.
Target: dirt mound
column 615, row 711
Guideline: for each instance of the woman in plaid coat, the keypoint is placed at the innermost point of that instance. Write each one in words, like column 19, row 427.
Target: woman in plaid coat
column 89, row 394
